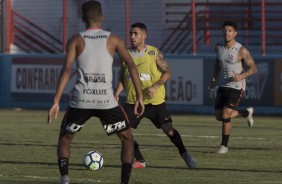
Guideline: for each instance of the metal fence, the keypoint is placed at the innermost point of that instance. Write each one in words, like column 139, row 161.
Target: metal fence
column 182, row 27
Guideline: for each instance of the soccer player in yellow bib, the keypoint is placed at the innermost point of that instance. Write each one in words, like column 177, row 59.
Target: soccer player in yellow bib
column 153, row 73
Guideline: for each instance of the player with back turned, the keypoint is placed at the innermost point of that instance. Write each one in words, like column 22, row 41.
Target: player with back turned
column 92, row 95
column 230, row 77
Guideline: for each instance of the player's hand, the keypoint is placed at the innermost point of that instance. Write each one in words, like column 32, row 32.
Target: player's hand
column 139, row 107
column 236, row 77
column 54, row 110
column 151, row 91
column 116, row 97
column 211, row 86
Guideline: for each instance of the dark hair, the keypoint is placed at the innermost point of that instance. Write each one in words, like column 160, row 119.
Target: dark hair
column 91, row 11
column 140, row 26
column 230, row 23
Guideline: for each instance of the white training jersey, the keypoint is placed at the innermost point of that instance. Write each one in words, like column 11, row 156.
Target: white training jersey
column 229, row 65
column 93, row 86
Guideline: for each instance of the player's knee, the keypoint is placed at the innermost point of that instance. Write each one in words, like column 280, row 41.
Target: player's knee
column 226, row 120
column 125, row 136
column 170, row 133
column 65, row 140
column 168, row 129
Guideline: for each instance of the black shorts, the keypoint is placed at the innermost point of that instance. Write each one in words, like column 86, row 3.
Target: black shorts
column 113, row 120
column 158, row 114
column 228, row 97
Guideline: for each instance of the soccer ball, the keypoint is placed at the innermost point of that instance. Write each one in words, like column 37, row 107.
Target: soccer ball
column 93, row 160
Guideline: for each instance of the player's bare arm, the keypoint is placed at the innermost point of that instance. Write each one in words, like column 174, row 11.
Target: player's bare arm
column 120, row 83
column 71, row 50
column 124, row 55
column 163, row 68
column 113, row 45
column 247, row 59
column 215, row 73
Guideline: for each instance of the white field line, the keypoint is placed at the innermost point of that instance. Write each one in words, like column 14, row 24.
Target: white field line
column 57, row 178
column 201, row 136
column 99, row 181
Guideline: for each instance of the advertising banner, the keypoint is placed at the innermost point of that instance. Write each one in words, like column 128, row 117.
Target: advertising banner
column 186, row 84
column 35, row 78
column 278, row 82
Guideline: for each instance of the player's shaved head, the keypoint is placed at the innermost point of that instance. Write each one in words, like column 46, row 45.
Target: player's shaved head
column 91, row 11
column 140, row 25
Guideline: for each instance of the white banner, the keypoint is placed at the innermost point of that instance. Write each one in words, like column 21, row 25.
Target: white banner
column 184, row 87
column 39, row 78
column 186, row 84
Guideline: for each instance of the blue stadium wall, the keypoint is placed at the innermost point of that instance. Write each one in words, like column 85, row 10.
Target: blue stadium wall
column 29, row 82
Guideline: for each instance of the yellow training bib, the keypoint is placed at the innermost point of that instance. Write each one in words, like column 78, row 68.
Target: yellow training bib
column 149, row 74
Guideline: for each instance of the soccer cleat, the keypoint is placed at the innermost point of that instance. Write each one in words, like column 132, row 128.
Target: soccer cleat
column 138, row 164
column 65, row 179
column 189, row 160
column 250, row 119
column 222, row 149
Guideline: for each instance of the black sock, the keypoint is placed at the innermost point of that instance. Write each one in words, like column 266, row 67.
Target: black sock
column 137, row 153
column 63, row 166
column 243, row 113
column 177, row 141
column 125, row 172
column 225, row 139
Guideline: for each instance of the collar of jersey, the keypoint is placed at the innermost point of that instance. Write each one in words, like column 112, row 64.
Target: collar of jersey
column 94, row 28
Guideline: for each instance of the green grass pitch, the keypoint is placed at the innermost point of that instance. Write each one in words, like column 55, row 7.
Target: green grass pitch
column 28, row 151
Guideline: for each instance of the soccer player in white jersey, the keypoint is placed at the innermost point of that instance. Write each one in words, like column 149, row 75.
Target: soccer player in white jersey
column 92, row 95
column 230, row 76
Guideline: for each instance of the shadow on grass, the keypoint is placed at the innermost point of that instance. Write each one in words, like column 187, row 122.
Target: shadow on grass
column 215, row 169
column 197, row 169
column 10, row 181
column 28, row 182
column 80, row 167
column 106, row 146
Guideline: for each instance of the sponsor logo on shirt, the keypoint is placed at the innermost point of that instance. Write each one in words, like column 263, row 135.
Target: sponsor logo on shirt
column 95, row 79
column 95, row 91
column 151, row 52
column 95, row 37
column 231, row 57
column 142, row 77
column 100, row 102
column 235, row 48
